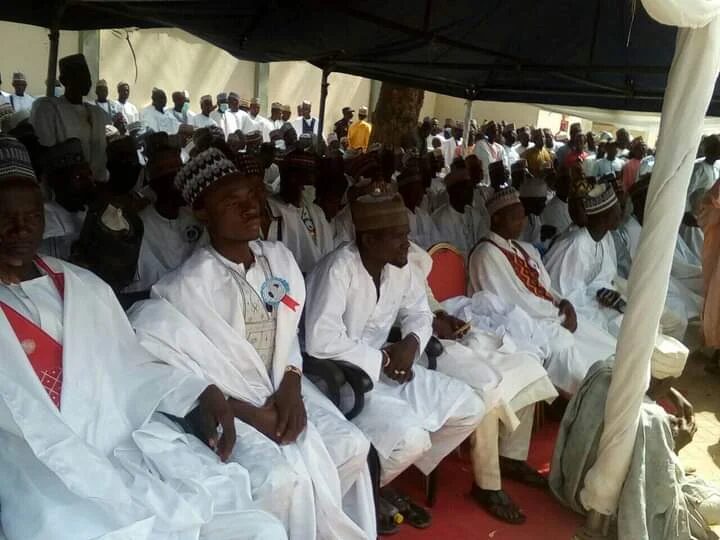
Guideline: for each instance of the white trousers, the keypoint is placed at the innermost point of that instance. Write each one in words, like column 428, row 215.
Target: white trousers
column 491, row 440
column 426, row 449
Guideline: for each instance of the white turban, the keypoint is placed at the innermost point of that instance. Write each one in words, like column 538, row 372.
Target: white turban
column 668, row 358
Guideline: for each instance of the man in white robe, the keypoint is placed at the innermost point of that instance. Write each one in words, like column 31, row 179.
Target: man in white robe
column 305, row 122
column 583, row 262
column 355, row 295
column 533, row 196
column 19, row 99
column 111, row 108
column 204, row 118
column 77, row 472
column 170, row 231
column 556, row 216
column 489, row 150
column 239, row 109
column 703, row 177
column 609, row 163
column 57, row 119
column 156, row 117
column 423, row 231
column 180, row 110
column 129, row 110
column 230, row 314
column 513, row 271
column 509, row 380
column 460, row 223
column 259, row 123
column 72, row 187
column 304, row 228
column 223, row 117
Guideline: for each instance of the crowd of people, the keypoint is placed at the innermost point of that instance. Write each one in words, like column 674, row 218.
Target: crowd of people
column 164, row 276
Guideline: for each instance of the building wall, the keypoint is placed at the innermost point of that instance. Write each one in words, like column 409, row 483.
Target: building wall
column 26, row 49
column 171, row 59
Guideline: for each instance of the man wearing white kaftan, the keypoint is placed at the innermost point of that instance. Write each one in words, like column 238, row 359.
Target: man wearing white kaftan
column 57, row 119
column 215, row 317
column 458, row 222
column 570, row 353
column 703, row 177
column 489, row 150
column 77, row 472
column 556, row 215
column 416, row 422
column 159, row 120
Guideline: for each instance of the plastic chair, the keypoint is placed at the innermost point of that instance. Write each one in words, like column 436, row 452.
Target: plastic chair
column 448, row 277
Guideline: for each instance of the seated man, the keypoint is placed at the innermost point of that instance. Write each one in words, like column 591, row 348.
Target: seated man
column 230, row 313
column 355, row 295
column 72, row 187
column 514, row 271
column 657, row 501
column 533, row 196
column 170, row 229
column 423, row 231
column 556, row 215
column 458, row 222
column 511, row 381
column 305, row 230
column 77, row 456
column 583, row 262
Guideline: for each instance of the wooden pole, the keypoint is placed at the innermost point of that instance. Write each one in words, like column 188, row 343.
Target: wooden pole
column 54, row 37
column 323, row 98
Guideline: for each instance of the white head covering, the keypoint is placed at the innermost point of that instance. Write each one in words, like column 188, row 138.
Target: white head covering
column 502, row 199
column 600, row 198
column 669, row 357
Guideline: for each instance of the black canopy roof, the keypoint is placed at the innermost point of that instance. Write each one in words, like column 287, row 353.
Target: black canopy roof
column 599, row 53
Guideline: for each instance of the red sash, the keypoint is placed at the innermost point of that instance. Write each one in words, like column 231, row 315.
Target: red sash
column 529, row 276
column 45, row 354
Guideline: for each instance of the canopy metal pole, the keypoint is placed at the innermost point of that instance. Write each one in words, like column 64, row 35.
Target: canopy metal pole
column 323, row 98
column 466, row 124
column 54, row 37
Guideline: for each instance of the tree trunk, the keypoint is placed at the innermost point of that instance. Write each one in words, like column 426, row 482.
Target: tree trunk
column 395, row 118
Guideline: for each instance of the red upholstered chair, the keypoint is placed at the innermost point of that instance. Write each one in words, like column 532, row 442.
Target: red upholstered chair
column 448, row 277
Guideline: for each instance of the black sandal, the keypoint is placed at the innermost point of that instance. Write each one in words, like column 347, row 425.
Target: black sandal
column 413, row 514
column 521, row 472
column 388, row 518
column 498, row 504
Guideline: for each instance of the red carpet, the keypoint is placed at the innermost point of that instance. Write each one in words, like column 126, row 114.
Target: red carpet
column 457, row 516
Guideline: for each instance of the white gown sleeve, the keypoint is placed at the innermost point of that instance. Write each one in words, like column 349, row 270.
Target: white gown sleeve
column 414, row 315
column 326, row 335
column 44, row 120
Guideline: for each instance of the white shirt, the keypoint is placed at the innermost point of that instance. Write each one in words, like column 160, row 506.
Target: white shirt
column 226, row 121
column 604, row 166
column 490, row 153
column 39, row 301
column 21, row 103
column 160, row 121
column 423, row 230
column 556, row 214
column 244, row 122
column 462, row 230
column 166, row 244
column 200, row 121
column 56, row 120
column 129, row 111
column 181, row 117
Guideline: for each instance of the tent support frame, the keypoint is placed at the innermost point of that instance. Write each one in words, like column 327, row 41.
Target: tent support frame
column 324, row 84
column 54, row 38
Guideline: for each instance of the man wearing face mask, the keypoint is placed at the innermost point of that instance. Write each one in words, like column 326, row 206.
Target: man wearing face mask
column 156, row 117
column 56, row 119
column 181, row 108
column 223, row 116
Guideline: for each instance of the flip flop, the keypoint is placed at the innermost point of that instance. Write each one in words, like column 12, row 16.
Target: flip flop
column 521, row 472
column 413, row 514
column 499, row 505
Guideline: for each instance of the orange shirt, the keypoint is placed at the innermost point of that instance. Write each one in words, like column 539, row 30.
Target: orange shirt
column 359, row 135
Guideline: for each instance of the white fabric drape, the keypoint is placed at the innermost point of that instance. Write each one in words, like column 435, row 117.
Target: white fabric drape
column 689, row 89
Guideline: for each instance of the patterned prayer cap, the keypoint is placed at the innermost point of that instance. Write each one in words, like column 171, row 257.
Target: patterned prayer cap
column 201, row 172
column 380, row 211
column 222, row 96
column 363, row 110
column 248, row 165
column 276, row 106
column 300, row 161
column 19, row 77
column 102, row 83
column 286, row 108
column 206, row 97
column 533, row 188
column 599, row 199
column 502, row 199
column 255, row 101
column 121, row 84
column 253, row 138
column 63, row 155
column 15, row 159
column 233, row 95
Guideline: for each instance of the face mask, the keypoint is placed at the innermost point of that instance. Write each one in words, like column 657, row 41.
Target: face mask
column 59, row 91
column 185, row 107
column 223, row 107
